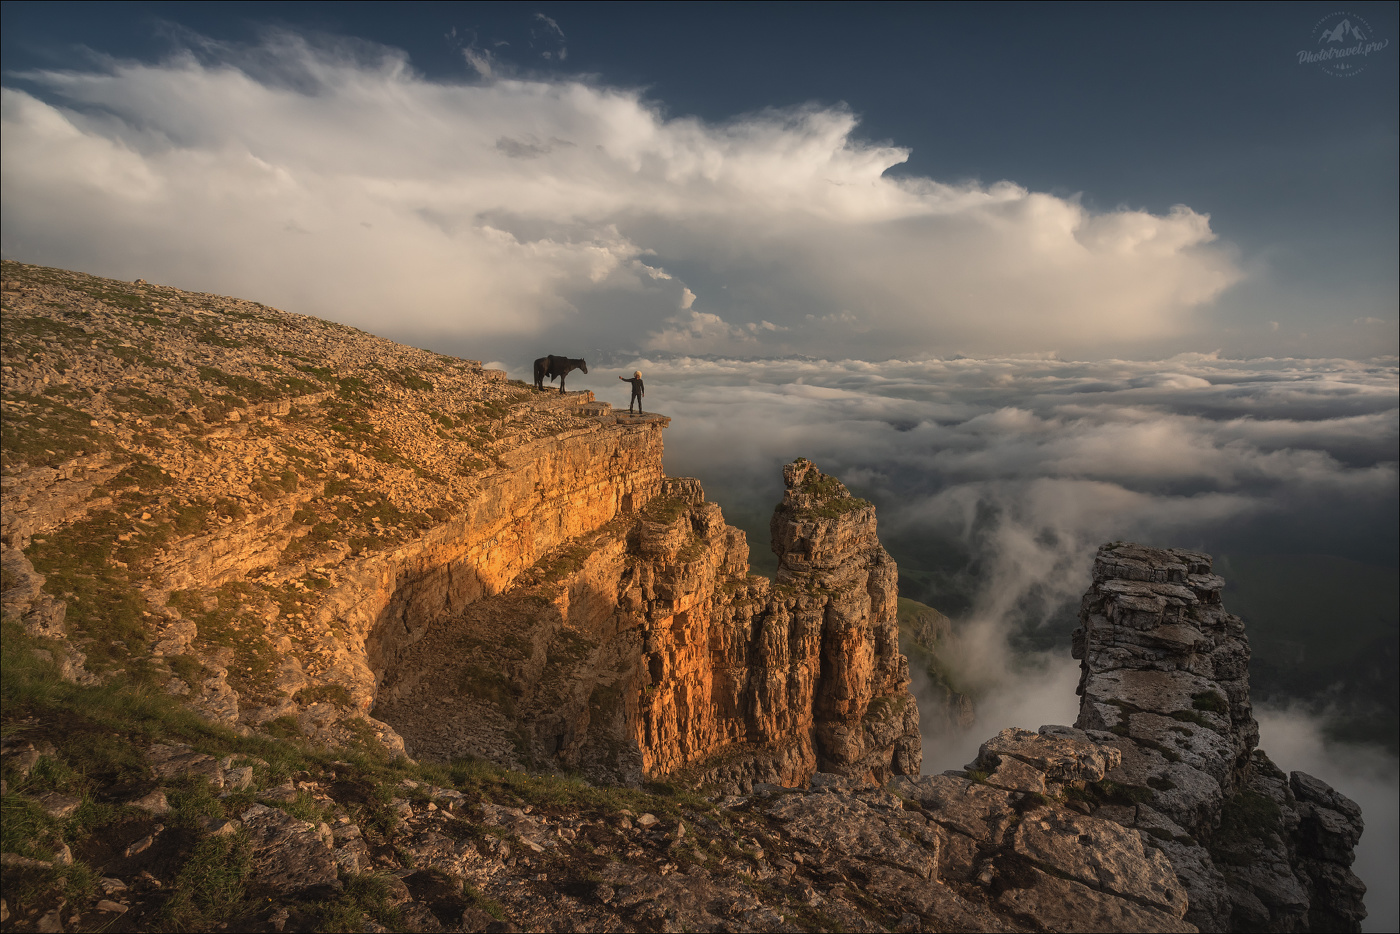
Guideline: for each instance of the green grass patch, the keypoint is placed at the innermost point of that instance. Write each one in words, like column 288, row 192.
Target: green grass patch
column 231, row 623
column 1211, row 701
column 41, row 432
column 665, row 509
column 104, row 609
column 211, row 885
column 324, row 693
column 366, row 896
column 1246, row 818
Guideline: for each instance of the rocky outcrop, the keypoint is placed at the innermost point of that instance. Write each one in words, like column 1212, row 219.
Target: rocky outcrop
column 1165, row 681
column 293, row 523
column 646, row 649
column 1017, row 825
column 335, row 841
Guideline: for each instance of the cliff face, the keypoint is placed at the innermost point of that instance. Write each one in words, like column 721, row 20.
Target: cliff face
column 646, row 649
column 924, row 631
column 1166, row 683
column 301, row 527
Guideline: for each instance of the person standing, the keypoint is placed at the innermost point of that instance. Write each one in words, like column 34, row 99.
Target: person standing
column 638, row 390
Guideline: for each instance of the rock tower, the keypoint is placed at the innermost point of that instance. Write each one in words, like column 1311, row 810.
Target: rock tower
column 1165, row 681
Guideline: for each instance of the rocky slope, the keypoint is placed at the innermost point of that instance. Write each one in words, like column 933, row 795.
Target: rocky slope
column 167, row 823
column 226, row 498
column 335, row 549
column 307, row 529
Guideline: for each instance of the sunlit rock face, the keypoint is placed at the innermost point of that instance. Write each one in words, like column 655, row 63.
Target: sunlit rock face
column 306, row 529
column 1165, row 681
column 834, row 578
column 646, row 649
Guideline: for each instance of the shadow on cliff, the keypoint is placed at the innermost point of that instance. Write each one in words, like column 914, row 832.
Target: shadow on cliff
column 1296, row 737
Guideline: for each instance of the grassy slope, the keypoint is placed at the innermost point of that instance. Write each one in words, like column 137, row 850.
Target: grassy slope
column 100, row 734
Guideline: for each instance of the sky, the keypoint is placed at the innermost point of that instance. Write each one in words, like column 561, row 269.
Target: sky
column 873, row 181
column 1029, row 277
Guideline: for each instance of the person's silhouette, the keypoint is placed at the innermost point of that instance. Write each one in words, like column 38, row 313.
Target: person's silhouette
column 638, row 390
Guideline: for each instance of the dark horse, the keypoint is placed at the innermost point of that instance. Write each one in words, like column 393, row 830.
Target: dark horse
column 556, row 367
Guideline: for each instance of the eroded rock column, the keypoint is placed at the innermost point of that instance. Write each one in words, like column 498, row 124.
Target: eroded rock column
column 1165, row 680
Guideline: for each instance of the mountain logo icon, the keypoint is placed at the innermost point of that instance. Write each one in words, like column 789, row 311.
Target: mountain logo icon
column 1341, row 32
column 1344, row 44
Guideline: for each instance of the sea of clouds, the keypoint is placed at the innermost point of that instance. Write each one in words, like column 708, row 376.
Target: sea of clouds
column 1011, row 470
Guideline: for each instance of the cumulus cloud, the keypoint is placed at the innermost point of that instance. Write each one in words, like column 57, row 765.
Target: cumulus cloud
column 334, row 180
column 701, row 332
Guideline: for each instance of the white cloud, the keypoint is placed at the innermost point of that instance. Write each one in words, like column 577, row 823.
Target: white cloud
column 336, row 181
column 479, row 60
column 701, row 332
column 1028, row 464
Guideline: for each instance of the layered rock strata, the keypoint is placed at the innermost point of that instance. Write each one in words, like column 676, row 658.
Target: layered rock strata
column 1015, row 828
column 269, row 513
column 1165, row 682
column 647, row 649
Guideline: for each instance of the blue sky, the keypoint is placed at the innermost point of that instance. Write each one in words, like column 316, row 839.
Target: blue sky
column 1117, row 112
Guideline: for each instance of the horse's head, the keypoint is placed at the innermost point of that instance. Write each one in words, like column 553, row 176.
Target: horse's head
column 582, row 365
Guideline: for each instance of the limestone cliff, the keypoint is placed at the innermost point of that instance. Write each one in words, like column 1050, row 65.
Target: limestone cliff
column 646, row 649
column 304, row 528
column 1165, row 681
column 308, row 531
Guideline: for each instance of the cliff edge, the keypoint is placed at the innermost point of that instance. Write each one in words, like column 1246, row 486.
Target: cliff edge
column 646, row 649
column 306, row 530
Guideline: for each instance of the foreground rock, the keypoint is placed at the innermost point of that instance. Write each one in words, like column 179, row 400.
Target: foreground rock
column 512, row 853
column 1056, row 829
column 1165, row 681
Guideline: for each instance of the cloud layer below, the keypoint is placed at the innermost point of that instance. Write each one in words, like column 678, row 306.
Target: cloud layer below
column 335, row 180
column 1002, row 475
